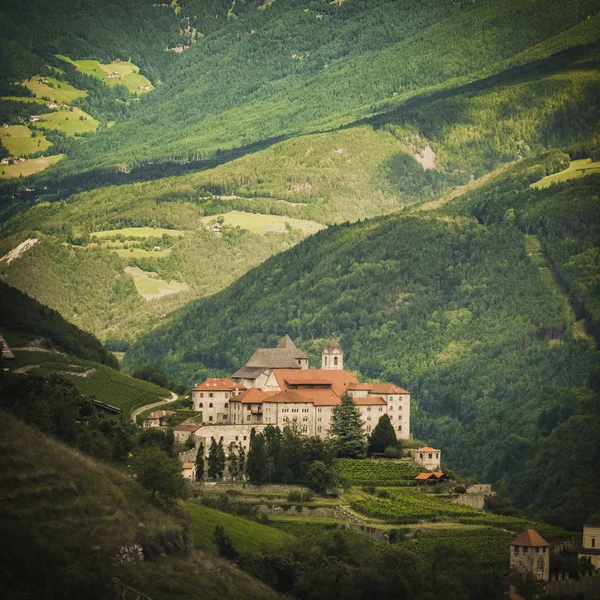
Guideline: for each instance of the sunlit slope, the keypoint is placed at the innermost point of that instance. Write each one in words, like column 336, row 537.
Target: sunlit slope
column 296, row 68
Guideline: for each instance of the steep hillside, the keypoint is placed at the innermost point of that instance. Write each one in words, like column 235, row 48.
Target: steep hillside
column 22, row 314
column 461, row 313
column 299, row 67
column 64, row 517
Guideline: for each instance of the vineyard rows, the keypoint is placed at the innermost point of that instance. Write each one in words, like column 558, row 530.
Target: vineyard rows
column 376, row 472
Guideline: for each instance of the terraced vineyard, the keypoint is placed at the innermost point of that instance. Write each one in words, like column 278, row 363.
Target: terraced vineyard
column 378, row 472
column 90, row 378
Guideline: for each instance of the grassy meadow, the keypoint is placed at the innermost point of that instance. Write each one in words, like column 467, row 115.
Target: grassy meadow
column 29, row 167
column 129, row 75
column 137, row 232
column 261, row 224
column 577, row 168
column 150, row 286
column 72, row 122
column 19, row 140
column 55, row 90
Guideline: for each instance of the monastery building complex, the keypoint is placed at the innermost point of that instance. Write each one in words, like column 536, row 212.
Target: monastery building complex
column 276, row 387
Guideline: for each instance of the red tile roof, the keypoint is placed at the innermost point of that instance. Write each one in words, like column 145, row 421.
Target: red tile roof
column 387, row 388
column 368, row 400
column 315, row 380
column 291, row 396
column 340, row 380
column 424, row 476
column 427, row 449
column 187, row 427
column 360, row 386
column 253, row 396
column 219, row 385
column 529, row 538
column 159, row 414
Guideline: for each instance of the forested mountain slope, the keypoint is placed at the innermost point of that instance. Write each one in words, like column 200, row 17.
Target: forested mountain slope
column 464, row 314
column 298, row 67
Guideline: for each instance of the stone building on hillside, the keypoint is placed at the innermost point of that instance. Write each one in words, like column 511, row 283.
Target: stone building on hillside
column 276, row 387
column 591, row 540
column 530, row 555
column 429, row 458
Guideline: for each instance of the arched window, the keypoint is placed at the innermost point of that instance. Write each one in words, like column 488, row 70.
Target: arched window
column 399, row 427
column 210, row 405
column 325, row 361
column 335, row 361
column 201, row 405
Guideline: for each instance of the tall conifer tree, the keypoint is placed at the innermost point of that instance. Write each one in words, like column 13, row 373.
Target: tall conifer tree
column 346, row 429
column 383, row 435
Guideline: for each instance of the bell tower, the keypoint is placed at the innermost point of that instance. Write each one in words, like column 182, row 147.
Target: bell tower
column 332, row 358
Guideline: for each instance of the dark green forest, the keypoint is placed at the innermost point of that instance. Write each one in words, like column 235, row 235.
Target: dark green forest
column 472, row 317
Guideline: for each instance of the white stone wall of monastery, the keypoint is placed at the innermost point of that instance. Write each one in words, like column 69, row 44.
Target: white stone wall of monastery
column 529, row 559
column 227, row 433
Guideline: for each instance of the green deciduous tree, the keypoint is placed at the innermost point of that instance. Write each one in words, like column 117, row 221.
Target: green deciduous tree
column 346, row 429
column 383, row 435
column 158, row 473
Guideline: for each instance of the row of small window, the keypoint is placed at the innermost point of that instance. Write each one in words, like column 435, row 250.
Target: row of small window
column 237, row 438
column 369, row 428
column 526, row 549
column 210, row 405
column 304, row 410
column 211, row 395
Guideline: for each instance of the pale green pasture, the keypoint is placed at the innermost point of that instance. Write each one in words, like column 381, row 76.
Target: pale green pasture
column 257, row 223
column 138, row 232
column 69, row 121
column 128, row 73
column 18, row 141
column 150, row 286
column 140, row 253
column 65, row 93
column 577, row 169
column 29, row 166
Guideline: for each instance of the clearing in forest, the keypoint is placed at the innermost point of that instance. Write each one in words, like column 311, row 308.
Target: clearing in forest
column 261, row 224
column 71, row 122
column 577, row 169
column 29, row 167
column 118, row 72
column 150, row 287
column 138, row 232
column 19, row 140
column 55, row 90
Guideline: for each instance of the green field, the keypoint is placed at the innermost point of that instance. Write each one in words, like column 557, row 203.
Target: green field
column 150, row 286
column 29, row 167
column 70, row 122
column 23, row 99
column 577, row 169
column 18, row 140
column 138, row 232
column 128, row 73
column 257, row 223
column 56, row 90
column 246, row 535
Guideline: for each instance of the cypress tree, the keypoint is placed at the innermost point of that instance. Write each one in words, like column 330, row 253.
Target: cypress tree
column 213, row 460
column 256, row 459
column 383, row 435
column 220, row 459
column 200, row 462
column 346, row 429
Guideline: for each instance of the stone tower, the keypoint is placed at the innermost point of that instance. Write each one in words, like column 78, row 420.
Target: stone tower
column 530, row 554
column 332, row 358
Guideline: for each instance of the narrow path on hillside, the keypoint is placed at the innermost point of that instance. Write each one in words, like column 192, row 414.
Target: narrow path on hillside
column 141, row 409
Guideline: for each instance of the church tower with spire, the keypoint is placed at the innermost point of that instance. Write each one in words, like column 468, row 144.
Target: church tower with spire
column 332, row 358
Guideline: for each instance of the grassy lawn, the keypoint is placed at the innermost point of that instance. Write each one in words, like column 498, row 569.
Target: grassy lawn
column 247, row 536
column 29, row 167
column 71, row 122
column 138, row 232
column 18, row 141
column 128, row 73
column 573, row 171
column 150, row 286
column 61, row 92
column 257, row 223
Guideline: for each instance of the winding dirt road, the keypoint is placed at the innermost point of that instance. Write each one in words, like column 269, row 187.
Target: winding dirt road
column 141, row 409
